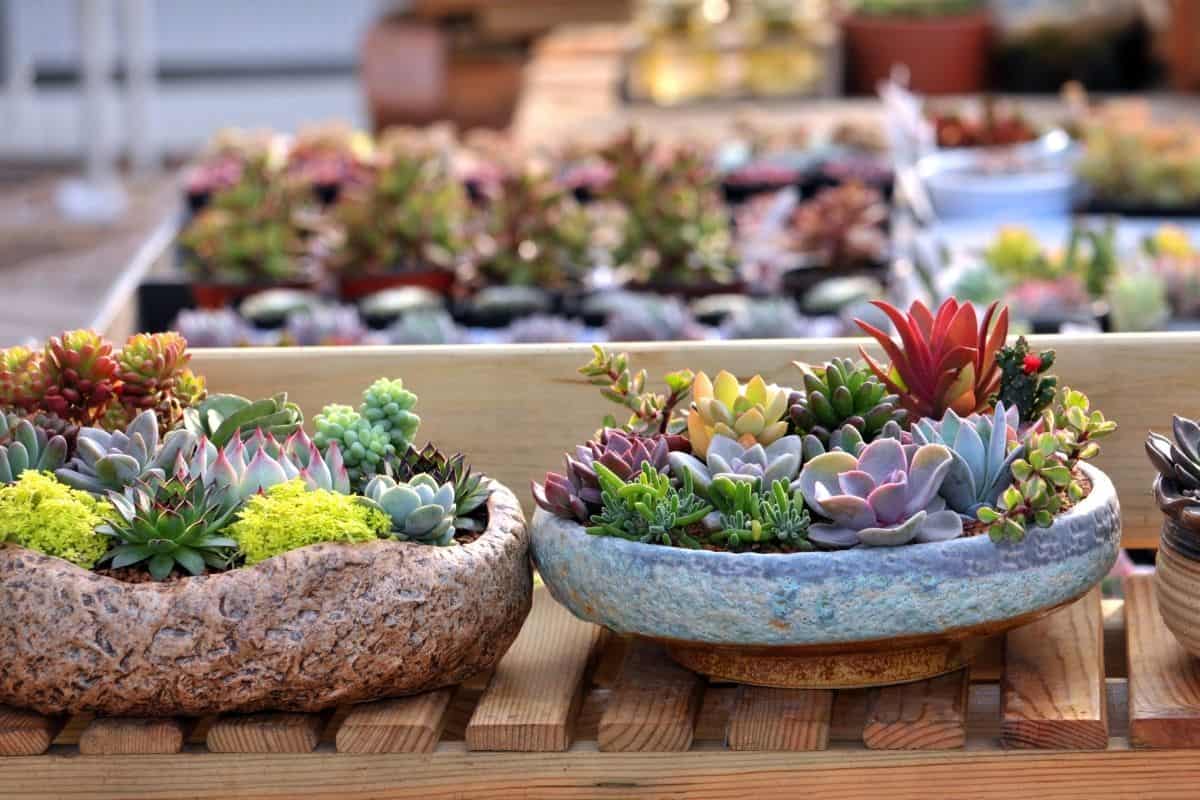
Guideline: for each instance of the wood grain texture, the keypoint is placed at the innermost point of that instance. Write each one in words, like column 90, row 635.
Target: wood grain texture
column 924, row 715
column 780, row 719
column 452, row 380
column 653, row 704
column 1053, row 694
column 25, row 733
column 269, row 732
column 536, row 691
column 113, row 736
column 1164, row 680
column 401, row 725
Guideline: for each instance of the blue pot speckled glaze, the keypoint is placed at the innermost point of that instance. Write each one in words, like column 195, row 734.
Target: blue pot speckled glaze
column 828, row 598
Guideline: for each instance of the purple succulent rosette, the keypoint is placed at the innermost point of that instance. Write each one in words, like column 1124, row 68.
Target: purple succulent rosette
column 887, row 496
column 728, row 458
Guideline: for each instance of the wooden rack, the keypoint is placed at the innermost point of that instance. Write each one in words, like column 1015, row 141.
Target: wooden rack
column 1097, row 697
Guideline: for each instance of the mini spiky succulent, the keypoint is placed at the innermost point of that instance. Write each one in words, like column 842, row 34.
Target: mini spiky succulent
column 421, row 510
column 884, row 498
column 79, row 372
column 170, row 523
column 1024, row 382
column 470, row 492
column 110, row 461
column 647, row 508
column 746, row 516
column 947, row 360
column 222, row 416
column 747, row 413
column 22, row 384
column 983, row 448
column 842, row 393
column 24, row 445
column 732, row 460
column 1177, row 486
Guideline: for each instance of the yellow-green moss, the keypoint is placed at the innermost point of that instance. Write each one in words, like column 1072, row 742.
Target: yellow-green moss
column 289, row 515
column 42, row 514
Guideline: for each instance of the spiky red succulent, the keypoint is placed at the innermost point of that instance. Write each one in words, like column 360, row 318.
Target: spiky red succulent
column 943, row 361
column 79, row 371
column 21, row 383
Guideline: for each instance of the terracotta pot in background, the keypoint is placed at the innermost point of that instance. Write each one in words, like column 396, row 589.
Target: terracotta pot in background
column 219, row 295
column 944, row 55
column 351, row 288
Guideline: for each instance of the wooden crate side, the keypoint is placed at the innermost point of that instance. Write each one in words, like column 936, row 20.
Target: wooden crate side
column 653, row 704
column 268, row 732
column 403, row 725
column 547, row 407
column 923, row 715
column 120, row 736
column 780, row 719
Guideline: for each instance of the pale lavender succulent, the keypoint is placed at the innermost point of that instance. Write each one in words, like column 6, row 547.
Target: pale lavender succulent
column 728, row 458
column 888, row 496
column 982, row 447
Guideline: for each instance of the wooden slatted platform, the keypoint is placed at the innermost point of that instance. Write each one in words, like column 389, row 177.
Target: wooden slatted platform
column 575, row 713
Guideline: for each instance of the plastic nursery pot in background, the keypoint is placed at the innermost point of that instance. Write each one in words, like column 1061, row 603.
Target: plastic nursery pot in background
column 944, row 55
column 220, row 295
column 351, row 288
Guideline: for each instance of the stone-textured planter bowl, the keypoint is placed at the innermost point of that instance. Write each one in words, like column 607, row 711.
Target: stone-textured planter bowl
column 313, row 628
column 862, row 617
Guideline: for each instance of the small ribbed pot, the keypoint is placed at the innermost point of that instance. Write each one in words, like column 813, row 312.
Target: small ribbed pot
column 861, row 617
column 1177, row 584
column 316, row 627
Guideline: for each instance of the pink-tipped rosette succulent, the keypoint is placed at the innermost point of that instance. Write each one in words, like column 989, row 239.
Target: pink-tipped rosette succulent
column 885, row 497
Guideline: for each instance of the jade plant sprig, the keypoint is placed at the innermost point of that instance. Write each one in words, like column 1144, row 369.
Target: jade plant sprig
column 650, row 412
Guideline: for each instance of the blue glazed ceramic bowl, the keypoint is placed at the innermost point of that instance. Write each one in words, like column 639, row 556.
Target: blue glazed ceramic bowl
column 866, row 616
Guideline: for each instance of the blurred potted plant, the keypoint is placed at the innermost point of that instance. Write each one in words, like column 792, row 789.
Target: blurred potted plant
column 327, row 157
column 674, row 234
column 404, row 226
column 943, row 43
column 841, row 231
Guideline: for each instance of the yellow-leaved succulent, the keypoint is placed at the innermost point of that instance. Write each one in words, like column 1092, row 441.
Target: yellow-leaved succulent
column 750, row 413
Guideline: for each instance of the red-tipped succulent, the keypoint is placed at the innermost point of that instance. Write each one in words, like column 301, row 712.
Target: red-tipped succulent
column 79, row 371
column 21, row 382
column 943, row 361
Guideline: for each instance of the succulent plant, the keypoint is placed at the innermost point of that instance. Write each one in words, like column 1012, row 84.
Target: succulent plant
column 110, row 461
column 222, row 416
column 850, row 439
column 392, row 304
column 648, row 508
column 365, row 448
column 386, row 403
column 767, row 319
column 884, row 498
column 747, row 413
column 983, row 450
column 943, row 361
column 421, row 510
column 1177, row 486
column 650, row 412
column 842, row 393
column 508, row 302
column 1182, row 277
column 22, row 384
column 470, row 492
column 745, row 517
column 213, row 328
column 245, row 468
column 543, row 328
column 253, row 239
column 842, row 227
column 652, row 319
column 1138, row 303
column 727, row 458
column 270, row 308
column 24, row 445
column 1018, row 255
column 79, row 373
column 1024, row 382
column 324, row 325
column 425, row 327
column 169, row 523
column 152, row 373
column 1131, row 160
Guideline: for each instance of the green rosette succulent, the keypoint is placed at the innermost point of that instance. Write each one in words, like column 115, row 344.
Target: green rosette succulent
column 222, row 416
column 110, row 461
column 842, row 393
column 421, row 510
column 982, row 455
column 28, row 446
column 470, row 491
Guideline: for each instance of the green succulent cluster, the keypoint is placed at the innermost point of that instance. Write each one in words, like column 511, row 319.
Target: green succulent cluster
column 1024, row 380
column 420, row 511
column 470, row 491
column 650, row 412
column 371, row 435
column 842, row 393
column 1044, row 481
column 219, row 417
column 748, row 516
column 24, row 445
column 648, row 508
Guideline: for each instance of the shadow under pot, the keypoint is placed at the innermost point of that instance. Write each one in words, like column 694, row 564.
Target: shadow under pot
column 870, row 616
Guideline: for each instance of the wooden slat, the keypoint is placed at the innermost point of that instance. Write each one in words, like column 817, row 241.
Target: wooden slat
column 269, row 732
column 1164, row 680
column 988, row 665
column 780, row 719
column 402, row 725
column 1053, row 689
column 925, row 715
column 113, row 736
column 538, row 686
column 653, row 705
column 451, row 381
column 25, row 733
